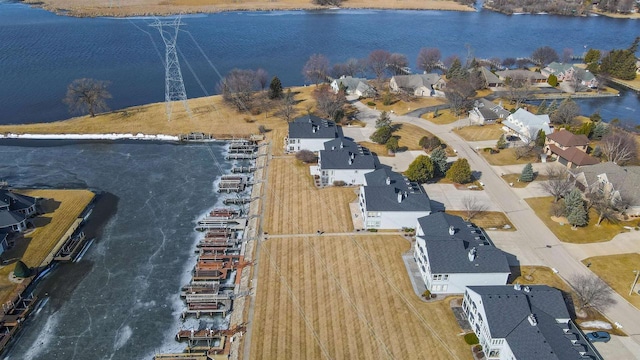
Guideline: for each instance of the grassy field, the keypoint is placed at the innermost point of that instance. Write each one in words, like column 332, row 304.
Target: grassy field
column 582, row 235
column 487, row 219
column 148, row 7
column 617, row 271
column 295, row 206
column 346, row 298
column 513, row 179
column 444, row 117
column 480, row 133
column 402, row 107
column 61, row 211
column 410, row 135
column 507, row 157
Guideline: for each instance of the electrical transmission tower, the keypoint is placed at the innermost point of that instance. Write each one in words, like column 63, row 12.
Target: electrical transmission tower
column 174, row 85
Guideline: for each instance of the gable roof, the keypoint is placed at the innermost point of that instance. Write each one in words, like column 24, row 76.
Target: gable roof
column 415, row 81
column 625, row 179
column 560, row 68
column 10, row 218
column 353, row 84
column 312, row 127
column 523, row 121
column 490, row 110
column 15, row 201
column 520, row 73
column 451, row 253
column 567, row 138
column 574, row 155
column 345, row 154
column 489, row 77
column 382, row 197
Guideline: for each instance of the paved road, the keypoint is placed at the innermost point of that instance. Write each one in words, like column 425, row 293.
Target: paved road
column 535, row 239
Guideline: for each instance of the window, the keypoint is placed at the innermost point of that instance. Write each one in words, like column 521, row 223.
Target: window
column 292, row 141
column 445, row 277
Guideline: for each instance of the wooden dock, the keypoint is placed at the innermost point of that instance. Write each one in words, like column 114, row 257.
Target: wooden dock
column 70, row 248
column 14, row 314
column 243, row 169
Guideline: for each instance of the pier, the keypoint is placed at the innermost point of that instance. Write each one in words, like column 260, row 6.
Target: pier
column 71, row 248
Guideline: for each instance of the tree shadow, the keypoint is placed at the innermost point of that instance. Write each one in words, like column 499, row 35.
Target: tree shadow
column 47, row 206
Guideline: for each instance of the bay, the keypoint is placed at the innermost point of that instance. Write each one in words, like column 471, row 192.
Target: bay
column 41, row 53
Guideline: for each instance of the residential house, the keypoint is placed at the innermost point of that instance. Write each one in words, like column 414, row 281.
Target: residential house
column 621, row 183
column 344, row 161
column 423, row 85
column 525, row 323
column 310, row 133
column 12, row 222
column 353, row 86
column 534, row 78
column 570, row 149
column 452, row 254
column 486, row 112
column 4, row 245
column 388, row 200
column 15, row 209
column 569, row 72
column 526, row 125
column 491, row 80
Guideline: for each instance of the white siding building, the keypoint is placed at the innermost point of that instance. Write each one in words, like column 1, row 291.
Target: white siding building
column 526, row 125
column 310, row 133
column 453, row 254
column 343, row 161
column 353, row 86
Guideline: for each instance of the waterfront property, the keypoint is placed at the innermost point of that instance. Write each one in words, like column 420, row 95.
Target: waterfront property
column 525, row 323
column 422, row 85
column 492, row 81
column 526, row 125
column 452, row 254
column 310, row 133
column 388, row 200
column 15, row 210
column 486, row 112
column 343, row 162
column 534, row 78
column 569, row 149
column 353, row 86
column 571, row 74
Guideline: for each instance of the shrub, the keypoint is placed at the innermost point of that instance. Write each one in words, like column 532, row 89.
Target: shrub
column 392, row 144
column 459, row 172
column 371, row 103
column 553, row 80
column 382, row 135
column 426, row 294
column 306, row 156
column 487, row 149
column 471, row 339
column 387, row 99
column 339, row 183
column 372, row 230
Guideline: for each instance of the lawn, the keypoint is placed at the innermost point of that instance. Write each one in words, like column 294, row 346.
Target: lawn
column 488, row 219
column 480, row 132
column 507, row 157
column 582, row 235
column 61, row 212
column 346, row 298
column 513, row 179
column 444, row 117
column 617, row 271
column 410, row 135
column 402, row 107
column 295, row 206
column 379, row 149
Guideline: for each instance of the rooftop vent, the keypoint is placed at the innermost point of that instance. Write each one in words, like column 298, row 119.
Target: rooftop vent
column 400, row 197
column 314, row 129
column 388, row 181
column 516, row 286
column 452, row 231
column 350, row 161
column 527, row 289
column 341, row 145
column 532, row 320
column 472, row 254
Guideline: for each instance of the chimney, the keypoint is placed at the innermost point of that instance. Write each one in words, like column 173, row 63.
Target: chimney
column 452, row 231
column 516, row 286
column 399, row 196
column 313, row 128
column 353, row 156
column 472, row 254
column 527, row 289
column 350, row 161
column 532, row 320
column 388, row 180
column 341, row 145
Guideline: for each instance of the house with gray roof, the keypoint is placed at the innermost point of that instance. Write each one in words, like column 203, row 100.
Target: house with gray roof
column 534, row 78
column 452, row 254
column 4, row 244
column 525, row 323
column 388, row 200
column 622, row 183
column 570, row 73
column 353, row 86
column 526, row 125
column 487, row 112
column 491, row 80
column 343, row 161
column 422, row 85
column 15, row 209
column 310, row 132
column 12, row 221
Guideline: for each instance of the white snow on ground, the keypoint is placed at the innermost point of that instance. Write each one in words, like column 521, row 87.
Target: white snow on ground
column 596, row 324
column 113, row 136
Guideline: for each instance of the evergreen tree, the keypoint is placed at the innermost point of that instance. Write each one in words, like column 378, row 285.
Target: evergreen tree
column 527, row 173
column 541, row 138
column 592, row 56
column 601, row 129
column 597, row 151
column 459, row 172
column 382, row 135
column 596, row 117
column 383, row 120
column 552, row 107
column 542, row 108
column 502, row 142
column 573, row 200
column 439, row 159
column 275, row 88
column 392, row 144
column 22, row 270
column 578, row 216
column 421, row 169
column 456, row 71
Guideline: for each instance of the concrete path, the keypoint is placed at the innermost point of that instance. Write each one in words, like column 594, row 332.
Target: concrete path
column 534, row 189
column 624, row 243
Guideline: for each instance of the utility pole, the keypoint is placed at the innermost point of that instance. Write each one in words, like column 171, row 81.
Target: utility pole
column 634, row 281
column 174, row 85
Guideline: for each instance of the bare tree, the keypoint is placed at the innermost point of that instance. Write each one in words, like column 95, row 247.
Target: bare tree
column 306, row 156
column 327, row 2
column 604, row 205
column 378, row 61
column 355, row 66
column 329, row 103
column 591, row 292
column 87, row 96
column 237, row 88
column 519, row 89
column 472, row 207
column 527, row 149
column 559, row 182
column 286, row 108
column 459, row 93
column 316, row 69
column 428, row 58
column 619, row 147
column 262, row 77
column 544, row 55
column 509, row 62
column 567, row 55
column 397, row 63
column 566, row 112
column 338, row 70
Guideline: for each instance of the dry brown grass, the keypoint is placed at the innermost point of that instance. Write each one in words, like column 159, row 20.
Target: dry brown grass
column 513, row 179
column 346, row 298
column 295, row 206
column 410, row 135
column 42, row 240
column 147, row 7
column 480, row 132
column 507, row 157
column 402, row 107
column 617, row 271
column 378, row 149
column 488, row 219
column 444, row 117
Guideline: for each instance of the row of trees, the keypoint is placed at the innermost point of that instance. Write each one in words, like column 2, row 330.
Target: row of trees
column 618, row 63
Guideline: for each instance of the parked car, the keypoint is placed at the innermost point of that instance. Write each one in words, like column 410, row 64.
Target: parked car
column 599, row 336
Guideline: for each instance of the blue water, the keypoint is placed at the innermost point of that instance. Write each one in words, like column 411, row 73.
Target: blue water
column 121, row 301
column 40, row 53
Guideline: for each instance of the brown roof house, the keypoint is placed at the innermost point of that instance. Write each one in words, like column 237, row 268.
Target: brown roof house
column 570, row 149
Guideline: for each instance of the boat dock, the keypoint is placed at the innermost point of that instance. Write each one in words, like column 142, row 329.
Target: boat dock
column 13, row 315
column 243, row 169
column 71, row 248
column 233, row 183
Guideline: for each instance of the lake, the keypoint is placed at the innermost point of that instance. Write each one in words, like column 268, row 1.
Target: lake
column 41, row 53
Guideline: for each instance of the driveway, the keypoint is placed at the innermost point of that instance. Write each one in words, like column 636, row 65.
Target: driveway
column 401, row 161
column 452, row 198
column 624, row 243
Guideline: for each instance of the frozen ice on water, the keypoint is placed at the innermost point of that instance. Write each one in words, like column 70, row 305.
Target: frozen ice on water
column 123, row 335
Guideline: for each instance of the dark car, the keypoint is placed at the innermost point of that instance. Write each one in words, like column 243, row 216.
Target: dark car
column 599, row 336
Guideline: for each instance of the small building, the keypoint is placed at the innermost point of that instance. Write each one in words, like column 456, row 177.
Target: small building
column 486, row 112
column 388, row 200
column 525, row 323
column 526, row 125
column 533, row 77
column 423, row 85
column 353, row 86
column 452, row 254
column 343, row 161
column 570, row 149
column 569, row 72
column 310, row 133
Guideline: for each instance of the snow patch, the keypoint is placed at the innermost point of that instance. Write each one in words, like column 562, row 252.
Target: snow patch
column 123, row 335
column 44, row 338
column 596, row 324
column 113, row 136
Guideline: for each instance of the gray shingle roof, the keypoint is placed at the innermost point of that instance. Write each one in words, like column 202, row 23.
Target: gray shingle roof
column 312, row 127
column 353, row 84
column 15, row 201
column 416, row 80
column 9, row 218
column 624, row 179
column 382, row 197
column 450, row 253
column 346, row 159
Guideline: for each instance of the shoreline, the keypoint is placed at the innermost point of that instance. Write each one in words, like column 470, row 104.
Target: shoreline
column 112, row 136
